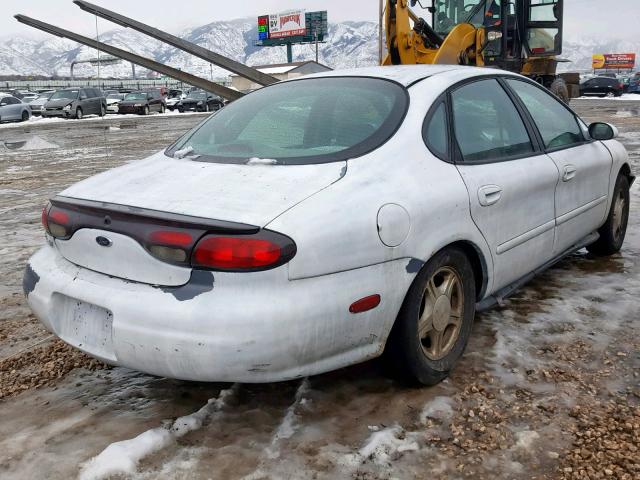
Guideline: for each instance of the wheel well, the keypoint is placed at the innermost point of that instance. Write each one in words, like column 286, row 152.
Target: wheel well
column 626, row 171
column 477, row 263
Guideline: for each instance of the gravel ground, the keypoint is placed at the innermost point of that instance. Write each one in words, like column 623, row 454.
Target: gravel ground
column 549, row 387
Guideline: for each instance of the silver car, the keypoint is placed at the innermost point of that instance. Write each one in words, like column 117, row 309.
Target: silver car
column 14, row 110
column 321, row 221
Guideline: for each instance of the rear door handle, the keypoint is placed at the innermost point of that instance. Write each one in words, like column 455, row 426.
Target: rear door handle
column 489, row 195
column 568, row 173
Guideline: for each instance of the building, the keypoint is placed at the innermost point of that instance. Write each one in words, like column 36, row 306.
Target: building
column 282, row 71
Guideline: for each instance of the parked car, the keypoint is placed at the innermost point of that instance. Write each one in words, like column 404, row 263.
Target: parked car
column 75, row 103
column 199, row 101
column 13, row 109
column 634, row 83
column 174, row 97
column 29, row 97
column 142, row 103
column 38, row 103
column 602, row 87
column 113, row 102
column 318, row 222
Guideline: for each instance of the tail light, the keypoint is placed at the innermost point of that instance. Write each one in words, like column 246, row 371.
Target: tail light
column 262, row 251
column 56, row 222
column 177, row 239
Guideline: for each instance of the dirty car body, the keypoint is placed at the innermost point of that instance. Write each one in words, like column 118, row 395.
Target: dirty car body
column 280, row 237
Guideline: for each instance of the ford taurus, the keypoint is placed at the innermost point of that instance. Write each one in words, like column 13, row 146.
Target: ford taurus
column 324, row 221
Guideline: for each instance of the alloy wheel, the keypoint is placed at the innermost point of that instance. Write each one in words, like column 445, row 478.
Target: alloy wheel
column 618, row 215
column 441, row 312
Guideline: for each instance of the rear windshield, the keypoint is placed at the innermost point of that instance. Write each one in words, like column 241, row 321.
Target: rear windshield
column 307, row 121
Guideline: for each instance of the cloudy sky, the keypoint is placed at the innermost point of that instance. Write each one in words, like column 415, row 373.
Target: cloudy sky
column 582, row 17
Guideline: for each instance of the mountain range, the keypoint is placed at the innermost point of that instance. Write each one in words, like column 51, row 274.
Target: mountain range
column 349, row 44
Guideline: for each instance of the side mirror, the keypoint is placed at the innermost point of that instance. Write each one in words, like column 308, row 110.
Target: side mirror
column 602, row 131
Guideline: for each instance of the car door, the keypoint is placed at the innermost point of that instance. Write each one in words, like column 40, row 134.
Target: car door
column 584, row 165
column 511, row 182
column 12, row 109
column 589, row 87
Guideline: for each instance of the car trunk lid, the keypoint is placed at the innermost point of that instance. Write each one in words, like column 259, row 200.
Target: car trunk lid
column 166, row 193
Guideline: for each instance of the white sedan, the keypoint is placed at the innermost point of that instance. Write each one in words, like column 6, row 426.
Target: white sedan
column 320, row 222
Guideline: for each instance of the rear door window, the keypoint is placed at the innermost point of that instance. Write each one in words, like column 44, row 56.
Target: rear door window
column 557, row 125
column 487, row 124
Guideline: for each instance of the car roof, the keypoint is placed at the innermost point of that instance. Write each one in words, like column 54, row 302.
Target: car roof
column 409, row 74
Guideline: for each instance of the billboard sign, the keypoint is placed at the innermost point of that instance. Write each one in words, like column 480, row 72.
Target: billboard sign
column 281, row 25
column 614, row 61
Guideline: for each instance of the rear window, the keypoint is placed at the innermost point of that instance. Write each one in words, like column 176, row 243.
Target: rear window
column 315, row 120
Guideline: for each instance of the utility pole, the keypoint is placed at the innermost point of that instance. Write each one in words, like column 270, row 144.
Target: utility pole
column 98, row 41
column 380, row 33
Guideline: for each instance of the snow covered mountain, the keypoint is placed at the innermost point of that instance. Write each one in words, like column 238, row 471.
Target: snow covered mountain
column 349, row 44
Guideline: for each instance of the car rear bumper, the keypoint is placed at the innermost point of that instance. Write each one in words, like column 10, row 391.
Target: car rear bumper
column 257, row 327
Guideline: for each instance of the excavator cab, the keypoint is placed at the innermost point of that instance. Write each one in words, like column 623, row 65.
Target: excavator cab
column 522, row 36
column 515, row 30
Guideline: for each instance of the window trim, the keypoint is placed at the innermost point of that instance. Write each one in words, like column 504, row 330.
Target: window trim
column 576, row 118
column 457, row 153
column 440, row 101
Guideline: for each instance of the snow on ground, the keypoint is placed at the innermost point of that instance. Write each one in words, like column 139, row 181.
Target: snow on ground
column 122, row 457
column 38, row 120
column 624, row 97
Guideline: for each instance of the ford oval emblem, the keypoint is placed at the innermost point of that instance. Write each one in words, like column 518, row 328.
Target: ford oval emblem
column 103, row 241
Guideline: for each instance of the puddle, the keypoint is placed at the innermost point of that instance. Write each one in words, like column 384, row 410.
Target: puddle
column 27, row 143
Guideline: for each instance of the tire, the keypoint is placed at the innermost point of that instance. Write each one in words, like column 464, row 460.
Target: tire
column 25, row 116
column 146, row 110
column 206, row 107
column 415, row 357
column 103, row 111
column 79, row 113
column 559, row 89
column 610, row 94
column 163, row 108
column 613, row 231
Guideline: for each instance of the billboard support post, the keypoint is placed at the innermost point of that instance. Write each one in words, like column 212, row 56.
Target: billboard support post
column 289, row 52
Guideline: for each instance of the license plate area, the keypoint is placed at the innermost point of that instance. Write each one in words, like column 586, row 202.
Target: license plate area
column 84, row 325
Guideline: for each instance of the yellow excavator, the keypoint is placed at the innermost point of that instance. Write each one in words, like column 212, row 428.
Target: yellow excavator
column 523, row 36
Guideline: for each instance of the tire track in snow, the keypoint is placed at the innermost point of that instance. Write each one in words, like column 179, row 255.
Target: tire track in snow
column 123, row 457
column 286, row 429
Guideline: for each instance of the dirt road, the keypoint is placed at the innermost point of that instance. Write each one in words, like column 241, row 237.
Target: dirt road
column 549, row 386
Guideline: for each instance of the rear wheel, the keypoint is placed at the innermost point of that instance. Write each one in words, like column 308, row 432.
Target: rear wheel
column 611, row 94
column 434, row 324
column 612, row 233
column 559, row 89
